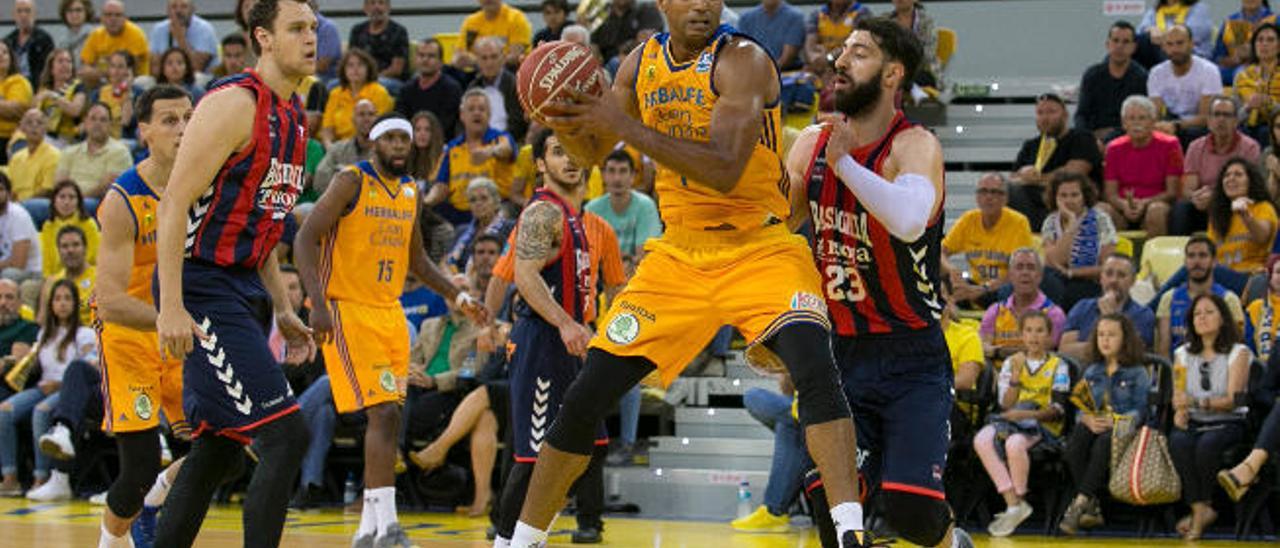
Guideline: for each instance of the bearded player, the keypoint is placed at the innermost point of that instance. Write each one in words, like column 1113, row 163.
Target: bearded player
column 872, row 184
column 238, row 173
column 355, row 248
column 703, row 102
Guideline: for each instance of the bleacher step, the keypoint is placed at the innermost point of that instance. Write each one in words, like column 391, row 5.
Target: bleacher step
column 710, row 453
column 686, row 494
column 713, row 422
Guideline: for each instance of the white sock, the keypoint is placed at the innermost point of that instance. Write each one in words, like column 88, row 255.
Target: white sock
column 107, row 540
column 159, row 491
column 847, row 517
column 383, row 500
column 527, row 536
column 499, row 542
column 368, row 518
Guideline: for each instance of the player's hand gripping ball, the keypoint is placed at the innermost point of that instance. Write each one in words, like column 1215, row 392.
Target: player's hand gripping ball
column 553, row 73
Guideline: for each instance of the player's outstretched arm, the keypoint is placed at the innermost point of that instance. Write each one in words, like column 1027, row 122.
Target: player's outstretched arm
column 917, row 160
column 115, row 305
column 217, row 129
column 538, row 240
column 338, row 196
column 798, row 161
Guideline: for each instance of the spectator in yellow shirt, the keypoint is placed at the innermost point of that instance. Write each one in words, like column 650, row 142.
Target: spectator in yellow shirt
column 986, row 236
column 357, row 79
column 499, row 20
column 116, row 33
column 68, row 210
column 15, row 98
column 32, row 168
column 1242, row 220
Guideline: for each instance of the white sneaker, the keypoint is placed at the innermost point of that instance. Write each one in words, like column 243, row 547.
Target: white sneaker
column 99, row 499
column 1008, row 521
column 57, row 488
column 57, row 443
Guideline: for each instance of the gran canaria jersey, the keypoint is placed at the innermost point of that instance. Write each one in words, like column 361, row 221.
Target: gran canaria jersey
column 366, row 255
column 677, row 99
column 142, row 202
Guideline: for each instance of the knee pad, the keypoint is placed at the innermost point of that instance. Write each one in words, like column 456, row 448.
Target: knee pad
column 920, row 519
column 805, row 349
column 139, row 465
column 599, row 386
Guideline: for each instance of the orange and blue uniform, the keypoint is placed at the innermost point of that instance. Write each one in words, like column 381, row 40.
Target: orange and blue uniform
column 364, row 260
column 726, row 257
column 137, row 383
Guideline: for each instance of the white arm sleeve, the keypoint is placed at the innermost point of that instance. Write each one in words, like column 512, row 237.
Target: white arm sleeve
column 903, row 206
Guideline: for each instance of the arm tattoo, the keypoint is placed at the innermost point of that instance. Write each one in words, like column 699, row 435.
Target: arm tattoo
column 538, row 234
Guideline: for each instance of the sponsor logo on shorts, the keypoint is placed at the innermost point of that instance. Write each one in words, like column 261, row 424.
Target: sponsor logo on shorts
column 142, row 407
column 803, row 300
column 623, row 329
column 638, row 311
column 387, row 380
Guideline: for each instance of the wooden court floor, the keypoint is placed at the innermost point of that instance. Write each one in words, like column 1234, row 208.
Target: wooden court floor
column 75, row 524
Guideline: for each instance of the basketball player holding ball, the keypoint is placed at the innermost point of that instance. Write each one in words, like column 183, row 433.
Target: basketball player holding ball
column 703, row 102
column 872, row 184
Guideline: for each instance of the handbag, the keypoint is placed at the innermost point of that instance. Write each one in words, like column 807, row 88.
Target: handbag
column 1142, row 471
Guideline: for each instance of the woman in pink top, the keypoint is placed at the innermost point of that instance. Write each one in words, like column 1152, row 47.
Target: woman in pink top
column 1143, row 170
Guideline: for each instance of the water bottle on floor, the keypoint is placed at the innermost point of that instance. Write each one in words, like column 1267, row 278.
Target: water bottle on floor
column 744, row 499
column 349, row 493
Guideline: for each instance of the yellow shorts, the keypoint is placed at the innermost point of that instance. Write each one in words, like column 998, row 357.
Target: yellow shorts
column 690, row 284
column 368, row 360
column 136, row 383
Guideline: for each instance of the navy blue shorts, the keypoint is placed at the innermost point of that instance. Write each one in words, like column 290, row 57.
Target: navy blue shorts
column 900, row 391
column 541, row 372
column 231, row 383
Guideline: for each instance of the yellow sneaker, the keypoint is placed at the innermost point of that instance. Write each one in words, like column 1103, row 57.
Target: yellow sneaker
column 761, row 521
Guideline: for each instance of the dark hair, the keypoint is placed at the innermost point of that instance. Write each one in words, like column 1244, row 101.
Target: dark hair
column 238, row 16
column 1122, row 25
column 1063, row 177
column 90, row 107
column 90, row 16
column 129, row 59
column 619, row 155
column 143, row 106
column 1034, row 313
column 370, row 65
column 1133, row 265
column 71, row 229
column 1132, row 349
column 562, row 5
column 1272, row 127
column 188, row 75
column 388, row 116
column 1253, row 39
column 50, row 324
column 1162, row 3
column 1201, row 238
column 487, row 237
column 13, row 61
column 263, row 14
column 46, row 75
column 53, row 195
column 898, row 44
column 539, row 143
column 234, row 39
column 422, row 161
column 1228, row 334
column 6, row 183
column 288, row 268
column 1220, row 208
column 433, row 40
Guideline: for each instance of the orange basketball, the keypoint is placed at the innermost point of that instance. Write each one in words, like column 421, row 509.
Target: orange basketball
column 552, row 72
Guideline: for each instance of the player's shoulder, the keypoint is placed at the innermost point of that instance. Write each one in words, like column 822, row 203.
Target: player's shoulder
column 808, row 137
column 916, row 136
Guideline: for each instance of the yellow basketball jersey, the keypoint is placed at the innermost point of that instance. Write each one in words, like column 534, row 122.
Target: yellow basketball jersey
column 1038, row 387
column 677, row 99
column 142, row 202
column 834, row 29
column 365, row 257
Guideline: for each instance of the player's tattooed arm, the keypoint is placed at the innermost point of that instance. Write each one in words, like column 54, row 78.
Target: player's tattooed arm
column 537, row 240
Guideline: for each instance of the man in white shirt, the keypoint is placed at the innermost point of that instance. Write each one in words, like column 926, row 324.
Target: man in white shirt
column 19, row 241
column 188, row 31
column 1182, row 87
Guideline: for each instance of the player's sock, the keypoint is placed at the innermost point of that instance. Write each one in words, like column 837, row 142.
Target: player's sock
column 499, row 542
column 847, row 517
column 159, row 491
column 383, row 500
column 527, row 536
column 107, row 540
column 368, row 517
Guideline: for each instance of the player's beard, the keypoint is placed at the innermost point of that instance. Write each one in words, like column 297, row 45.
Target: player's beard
column 388, row 164
column 859, row 98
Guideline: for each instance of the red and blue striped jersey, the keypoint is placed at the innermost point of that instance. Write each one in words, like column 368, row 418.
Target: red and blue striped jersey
column 568, row 275
column 240, row 218
column 874, row 282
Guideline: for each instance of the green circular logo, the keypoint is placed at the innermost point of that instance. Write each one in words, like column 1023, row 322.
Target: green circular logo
column 142, row 406
column 623, row 329
column 388, row 381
